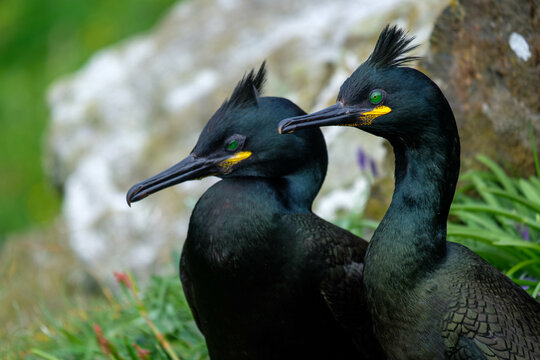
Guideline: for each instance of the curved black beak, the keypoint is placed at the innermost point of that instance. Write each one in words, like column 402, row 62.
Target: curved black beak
column 190, row 168
column 337, row 114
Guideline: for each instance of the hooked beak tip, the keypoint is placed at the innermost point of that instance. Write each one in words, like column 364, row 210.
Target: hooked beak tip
column 128, row 199
column 282, row 128
column 133, row 194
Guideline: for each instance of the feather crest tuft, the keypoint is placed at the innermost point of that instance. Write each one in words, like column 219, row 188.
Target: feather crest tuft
column 392, row 44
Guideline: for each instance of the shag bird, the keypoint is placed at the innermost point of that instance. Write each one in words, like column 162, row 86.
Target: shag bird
column 266, row 278
column 429, row 298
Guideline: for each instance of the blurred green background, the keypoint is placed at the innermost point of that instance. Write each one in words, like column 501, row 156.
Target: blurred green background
column 41, row 40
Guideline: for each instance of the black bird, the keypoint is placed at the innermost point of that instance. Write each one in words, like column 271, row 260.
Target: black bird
column 429, row 298
column 266, row 278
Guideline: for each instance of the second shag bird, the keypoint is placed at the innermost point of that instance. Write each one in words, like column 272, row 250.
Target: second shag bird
column 429, row 298
column 266, row 278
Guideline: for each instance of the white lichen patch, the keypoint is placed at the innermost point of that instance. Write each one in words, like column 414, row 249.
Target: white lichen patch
column 520, row 47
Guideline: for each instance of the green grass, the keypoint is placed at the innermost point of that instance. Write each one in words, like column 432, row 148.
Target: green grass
column 498, row 217
column 118, row 326
column 41, row 40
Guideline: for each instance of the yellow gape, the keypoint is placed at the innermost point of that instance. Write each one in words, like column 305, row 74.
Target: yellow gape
column 227, row 164
column 367, row 117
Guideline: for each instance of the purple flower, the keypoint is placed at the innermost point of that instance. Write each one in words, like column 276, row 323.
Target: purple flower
column 365, row 162
column 373, row 167
column 361, row 158
column 524, row 232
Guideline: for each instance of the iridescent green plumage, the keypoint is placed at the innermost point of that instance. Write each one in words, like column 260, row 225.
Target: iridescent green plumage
column 429, row 299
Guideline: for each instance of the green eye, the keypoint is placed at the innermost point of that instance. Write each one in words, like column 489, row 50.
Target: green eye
column 375, row 97
column 232, row 145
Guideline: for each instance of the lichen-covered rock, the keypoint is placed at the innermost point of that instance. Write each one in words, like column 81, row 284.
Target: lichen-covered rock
column 136, row 108
column 485, row 55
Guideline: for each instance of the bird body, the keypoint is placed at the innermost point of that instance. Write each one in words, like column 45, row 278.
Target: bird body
column 253, row 275
column 429, row 299
column 265, row 278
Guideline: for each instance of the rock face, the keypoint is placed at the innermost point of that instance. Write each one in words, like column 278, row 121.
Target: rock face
column 485, row 55
column 136, row 108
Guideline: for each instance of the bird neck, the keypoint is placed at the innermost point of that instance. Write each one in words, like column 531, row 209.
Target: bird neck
column 303, row 185
column 248, row 208
column 411, row 238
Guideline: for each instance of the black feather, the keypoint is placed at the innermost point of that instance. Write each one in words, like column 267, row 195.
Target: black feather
column 245, row 94
column 248, row 89
column 392, row 44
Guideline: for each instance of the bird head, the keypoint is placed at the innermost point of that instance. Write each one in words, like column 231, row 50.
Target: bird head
column 384, row 97
column 241, row 139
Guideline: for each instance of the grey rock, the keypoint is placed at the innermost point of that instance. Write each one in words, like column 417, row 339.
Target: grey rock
column 485, row 55
column 137, row 108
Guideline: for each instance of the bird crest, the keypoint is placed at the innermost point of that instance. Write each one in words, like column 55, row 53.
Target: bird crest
column 392, row 44
column 246, row 93
column 248, row 89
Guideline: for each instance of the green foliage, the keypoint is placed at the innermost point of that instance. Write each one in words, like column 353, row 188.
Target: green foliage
column 494, row 215
column 498, row 217
column 41, row 40
column 124, row 327
column 357, row 224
